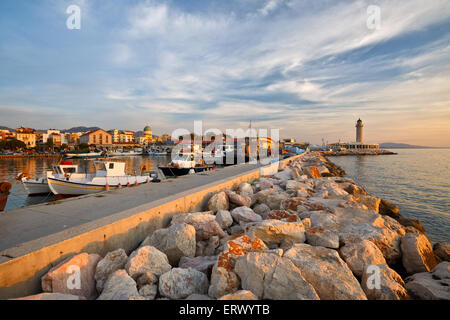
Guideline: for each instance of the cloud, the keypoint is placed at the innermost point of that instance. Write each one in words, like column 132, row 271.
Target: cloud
column 280, row 63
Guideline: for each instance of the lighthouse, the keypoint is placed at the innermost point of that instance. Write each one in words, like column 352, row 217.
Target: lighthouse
column 359, row 131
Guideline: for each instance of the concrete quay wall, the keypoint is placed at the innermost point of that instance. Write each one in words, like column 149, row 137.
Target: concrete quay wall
column 22, row 266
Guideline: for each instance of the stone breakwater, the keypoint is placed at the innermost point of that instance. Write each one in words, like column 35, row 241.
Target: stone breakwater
column 358, row 152
column 304, row 233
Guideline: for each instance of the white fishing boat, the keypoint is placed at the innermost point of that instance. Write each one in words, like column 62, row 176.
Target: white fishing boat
column 108, row 176
column 157, row 151
column 84, row 155
column 39, row 186
column 124, row 154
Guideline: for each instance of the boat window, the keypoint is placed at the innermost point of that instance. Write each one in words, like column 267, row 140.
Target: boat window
column 111, row 165
column 100, row 166
column 69, row 170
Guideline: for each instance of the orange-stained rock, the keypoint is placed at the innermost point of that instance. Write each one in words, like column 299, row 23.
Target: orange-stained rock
column 277, row 232
column 283, row 215
column 313, row 172
column 291, row 204
column 238, row 247
column 240, row 295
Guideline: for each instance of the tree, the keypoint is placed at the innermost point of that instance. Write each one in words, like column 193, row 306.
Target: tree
column 12, row 144
column 49, row 144
column 83, row 146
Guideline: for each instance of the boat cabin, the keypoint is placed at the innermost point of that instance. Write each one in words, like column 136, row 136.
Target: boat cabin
column 109, row 169
column 63, row 169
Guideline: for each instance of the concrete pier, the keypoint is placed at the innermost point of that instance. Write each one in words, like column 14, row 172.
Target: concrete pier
column 33, row 239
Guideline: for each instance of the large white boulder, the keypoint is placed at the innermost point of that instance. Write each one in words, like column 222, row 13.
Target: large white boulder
column 205, row 224
column 326, row 272
column 147, row 259
column 176, row 241
column 276, row 232
column 218, row 201
column 119, row 286
column 179, row 283
column 359, row 254
column 245, row 214
column 113, row 261
column 270, row 276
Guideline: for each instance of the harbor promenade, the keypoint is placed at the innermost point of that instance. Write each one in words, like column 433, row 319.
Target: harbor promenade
column 29, row 223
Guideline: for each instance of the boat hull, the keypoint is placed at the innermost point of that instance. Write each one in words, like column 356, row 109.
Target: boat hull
column 36, row 188
column 64, row 189
column 175, row 172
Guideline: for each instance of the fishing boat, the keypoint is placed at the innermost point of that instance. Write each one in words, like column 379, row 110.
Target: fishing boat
column 85, row 155
column 39, row 186
column 136, row 152
column 108, row 176
column 184, row 164
column 157, row 151
column 219, row 155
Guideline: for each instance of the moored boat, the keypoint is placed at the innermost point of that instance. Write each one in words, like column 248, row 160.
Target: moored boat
column 108, row 176
column 39, row 186
column 184, row 164
column 84, row 155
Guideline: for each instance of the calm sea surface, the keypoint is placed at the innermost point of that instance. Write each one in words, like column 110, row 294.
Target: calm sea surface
column 9, row 168
column 416, row 180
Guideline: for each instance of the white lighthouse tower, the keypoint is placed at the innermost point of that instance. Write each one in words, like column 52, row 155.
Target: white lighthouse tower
column 359, row 131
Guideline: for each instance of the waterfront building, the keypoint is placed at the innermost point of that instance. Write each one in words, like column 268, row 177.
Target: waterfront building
column 98, row 137
column 143, row 141
column 27, row 136
column 127, row 136
column 42, row 137
column 148, row 133
column 73, row 138
column 6, row 134
column 115, row 134
column 56, row 139
column 122, row 136
column 166, row 139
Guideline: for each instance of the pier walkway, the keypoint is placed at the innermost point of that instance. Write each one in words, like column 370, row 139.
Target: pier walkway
column 30, row 223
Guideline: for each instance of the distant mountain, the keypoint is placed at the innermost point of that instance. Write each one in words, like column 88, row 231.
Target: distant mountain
column 6, row 128
column 394, row 145
column 80, row 129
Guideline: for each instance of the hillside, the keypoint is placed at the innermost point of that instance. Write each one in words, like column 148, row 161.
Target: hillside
column 394, row 145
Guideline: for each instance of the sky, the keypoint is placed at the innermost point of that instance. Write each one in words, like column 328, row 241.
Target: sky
column 307, row 68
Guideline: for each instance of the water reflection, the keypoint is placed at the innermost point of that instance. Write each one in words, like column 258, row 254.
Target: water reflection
column 37, row 167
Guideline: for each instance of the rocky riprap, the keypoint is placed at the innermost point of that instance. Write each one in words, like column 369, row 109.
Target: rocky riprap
column 305, row 233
